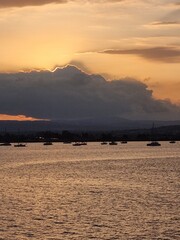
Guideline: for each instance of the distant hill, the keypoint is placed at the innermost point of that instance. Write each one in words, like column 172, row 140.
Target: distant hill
column 108, row 124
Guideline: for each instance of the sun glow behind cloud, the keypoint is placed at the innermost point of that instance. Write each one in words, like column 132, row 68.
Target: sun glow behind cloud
column 34, row 42
column 42, row 37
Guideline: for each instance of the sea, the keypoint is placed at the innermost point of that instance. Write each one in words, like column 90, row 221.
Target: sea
column 63, row 192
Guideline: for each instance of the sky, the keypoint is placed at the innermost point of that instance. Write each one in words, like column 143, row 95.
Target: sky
column 129, row 41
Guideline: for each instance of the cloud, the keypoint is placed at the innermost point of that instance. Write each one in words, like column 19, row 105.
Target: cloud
column 23, row 3
column 173, row 16
column 17, row 118
column 69, row 93
column 165, row 23
column 163, row 54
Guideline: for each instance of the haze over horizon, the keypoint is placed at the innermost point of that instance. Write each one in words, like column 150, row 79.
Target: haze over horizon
column 126, row 55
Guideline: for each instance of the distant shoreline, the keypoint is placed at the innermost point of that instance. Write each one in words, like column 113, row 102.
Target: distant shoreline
column 167, row 133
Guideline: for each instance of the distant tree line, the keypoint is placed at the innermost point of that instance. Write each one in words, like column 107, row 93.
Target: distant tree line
column 162, row 134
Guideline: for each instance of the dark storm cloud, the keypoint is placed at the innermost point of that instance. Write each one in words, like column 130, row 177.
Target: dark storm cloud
column 23, row 3
column 70, row 94
column 163, row 54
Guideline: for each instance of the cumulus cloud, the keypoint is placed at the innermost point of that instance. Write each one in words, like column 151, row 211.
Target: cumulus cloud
column 23, row 3
column 163, row 54
column 69, row 93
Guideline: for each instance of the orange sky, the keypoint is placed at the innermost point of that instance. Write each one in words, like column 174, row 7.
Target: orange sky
column 143, row 37
column 17, row 117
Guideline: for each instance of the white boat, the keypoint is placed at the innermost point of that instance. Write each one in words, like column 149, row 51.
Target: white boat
column 77, row 144
column 5, row 144
column 20, row 145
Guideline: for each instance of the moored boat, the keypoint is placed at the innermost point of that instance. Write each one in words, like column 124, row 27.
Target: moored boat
column 5, row 144
column 123, row 142
column 113, row 143
column 76, row 144
column 154, row 144
column 48, row 143
column 20, row 145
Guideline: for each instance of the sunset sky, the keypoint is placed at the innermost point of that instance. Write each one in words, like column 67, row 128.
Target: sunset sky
column 117, row 39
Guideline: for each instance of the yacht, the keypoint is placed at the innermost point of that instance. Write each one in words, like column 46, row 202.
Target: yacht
column 20, row 145
column 154, row 144
column 5, row 144
column 77, row 144
column 48, row 143
column 113, row 143
column 123, row 142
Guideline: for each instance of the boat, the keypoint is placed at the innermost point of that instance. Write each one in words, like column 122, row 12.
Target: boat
column 113, row 143
column 154, row 144
column 48, row 143
column 20, row 145
column 172, row 142
column 77, row 144
column 104, row 143
column 5, row 144
column 67, row 142
column 123, row 142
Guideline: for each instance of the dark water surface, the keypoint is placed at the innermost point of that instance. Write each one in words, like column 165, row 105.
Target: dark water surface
column 90, row 192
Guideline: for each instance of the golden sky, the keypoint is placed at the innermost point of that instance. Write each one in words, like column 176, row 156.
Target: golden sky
column 125, row 38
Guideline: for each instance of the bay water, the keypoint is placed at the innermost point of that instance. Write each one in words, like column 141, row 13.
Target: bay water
column 128, row 191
